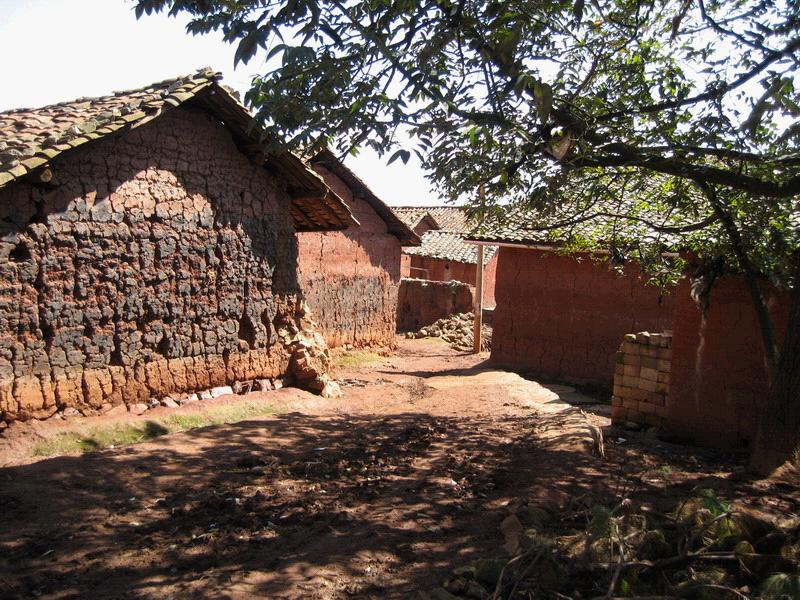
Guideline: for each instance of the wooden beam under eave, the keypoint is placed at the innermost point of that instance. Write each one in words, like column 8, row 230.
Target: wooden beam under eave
column 302, row 205
column 320, row 212
column 299, row 217
column 477, row 328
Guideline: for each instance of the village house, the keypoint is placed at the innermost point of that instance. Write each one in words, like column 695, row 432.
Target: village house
column 444, row 255
column 148, row 248
column 350, row 278
column 576, row 317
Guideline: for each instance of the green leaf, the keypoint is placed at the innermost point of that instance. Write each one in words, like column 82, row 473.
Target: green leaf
column 246, row 49
column 403, row 155
column 577, row 10
column 473, row 136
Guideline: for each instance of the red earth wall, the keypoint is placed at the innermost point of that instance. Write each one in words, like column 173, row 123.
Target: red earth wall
column 350, row 278
column 718, row 382
column 564, row 317
column 422, row 302
column 405, row 265
column 159, row 261
column 437, row 269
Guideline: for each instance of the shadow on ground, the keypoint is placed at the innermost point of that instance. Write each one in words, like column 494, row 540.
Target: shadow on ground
column 291, row 506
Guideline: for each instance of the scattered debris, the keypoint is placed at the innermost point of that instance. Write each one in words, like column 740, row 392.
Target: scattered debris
column 702, row 548
column 457, row 331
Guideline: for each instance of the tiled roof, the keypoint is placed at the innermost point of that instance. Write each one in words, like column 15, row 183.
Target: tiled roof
column 30, row 138
column 395, row 225
column 446, row 245
column 599, row 223
column 623, row 211
column 449, row 218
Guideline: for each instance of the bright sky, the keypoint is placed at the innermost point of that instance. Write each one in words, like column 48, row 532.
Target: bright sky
column 56, row 50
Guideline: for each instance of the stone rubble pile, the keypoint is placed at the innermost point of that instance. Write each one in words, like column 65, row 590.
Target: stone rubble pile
column 457, row 331
column 310, row 357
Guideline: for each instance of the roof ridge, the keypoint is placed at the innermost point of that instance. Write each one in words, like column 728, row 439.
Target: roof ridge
column 410, row 207
column 29, row 138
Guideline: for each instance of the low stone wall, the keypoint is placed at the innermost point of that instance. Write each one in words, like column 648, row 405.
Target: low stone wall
column 641, row 379
column 422, row 302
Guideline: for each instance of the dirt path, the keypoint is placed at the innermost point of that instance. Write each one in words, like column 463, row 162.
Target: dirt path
column 373, row 495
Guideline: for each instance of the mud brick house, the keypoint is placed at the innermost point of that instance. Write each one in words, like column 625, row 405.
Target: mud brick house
column 698, row 375
column 148, row 248
column 444, row 255
column 351, row 278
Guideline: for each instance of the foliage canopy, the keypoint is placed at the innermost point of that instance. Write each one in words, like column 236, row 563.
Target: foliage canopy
column 529, row 97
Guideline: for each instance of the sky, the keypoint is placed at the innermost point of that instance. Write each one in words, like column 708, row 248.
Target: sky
column 57, row 50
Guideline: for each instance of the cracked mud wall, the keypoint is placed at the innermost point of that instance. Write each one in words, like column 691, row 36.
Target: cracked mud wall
column 564, row 318
column 350, row 278
column 161, row 261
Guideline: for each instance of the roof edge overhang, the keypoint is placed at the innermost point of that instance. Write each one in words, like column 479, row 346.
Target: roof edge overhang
column 548, row 246
column 395, row 226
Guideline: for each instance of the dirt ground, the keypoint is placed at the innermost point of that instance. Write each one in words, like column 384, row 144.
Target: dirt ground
column 377, row 494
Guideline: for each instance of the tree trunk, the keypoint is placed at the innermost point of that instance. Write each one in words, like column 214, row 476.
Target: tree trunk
column 751, row 279
column 778, row 437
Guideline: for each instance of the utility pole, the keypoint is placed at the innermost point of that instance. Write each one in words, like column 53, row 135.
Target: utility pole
column 477, row 327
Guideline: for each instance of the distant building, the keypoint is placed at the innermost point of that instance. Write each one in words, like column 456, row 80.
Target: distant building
column 351, row 278
column 443, row 254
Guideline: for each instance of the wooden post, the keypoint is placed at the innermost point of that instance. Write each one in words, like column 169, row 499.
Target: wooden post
column 477, row 326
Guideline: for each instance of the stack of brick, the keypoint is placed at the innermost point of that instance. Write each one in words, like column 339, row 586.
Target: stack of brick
column 641, row 379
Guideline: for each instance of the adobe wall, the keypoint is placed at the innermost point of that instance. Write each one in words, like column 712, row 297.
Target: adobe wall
column 421, row 302
column 163, row 261
column 718, row 381
column 563, row 317
column 437, row 269
column 405, row 265
column 350, row 278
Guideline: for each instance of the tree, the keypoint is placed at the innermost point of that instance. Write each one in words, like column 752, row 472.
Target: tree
column 519, row 94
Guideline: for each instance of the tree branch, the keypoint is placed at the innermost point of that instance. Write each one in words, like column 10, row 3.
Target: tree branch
column 710, row 94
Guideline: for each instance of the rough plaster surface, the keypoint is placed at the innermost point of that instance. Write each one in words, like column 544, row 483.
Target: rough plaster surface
column 350, row 278
column 422, row 302
column 718, row 380
column 162, row 261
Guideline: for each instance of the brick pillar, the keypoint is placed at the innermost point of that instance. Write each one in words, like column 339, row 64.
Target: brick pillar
column 641, row 379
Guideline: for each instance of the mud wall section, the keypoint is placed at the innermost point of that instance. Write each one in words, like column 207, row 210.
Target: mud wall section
column 436, row 269
column 160, row 261
column 563, row 317
column 718, row 381
column 350, row 278
column 423, row 302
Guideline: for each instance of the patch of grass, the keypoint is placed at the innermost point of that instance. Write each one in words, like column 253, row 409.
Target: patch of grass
column 356, row 358
column 96, row 437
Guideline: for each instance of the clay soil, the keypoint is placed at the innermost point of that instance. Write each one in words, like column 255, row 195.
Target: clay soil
column 378, row 494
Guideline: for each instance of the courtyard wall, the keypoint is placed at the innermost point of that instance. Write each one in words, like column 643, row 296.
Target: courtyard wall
column 563, row 317
column 422, row 302
column 718, row 383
